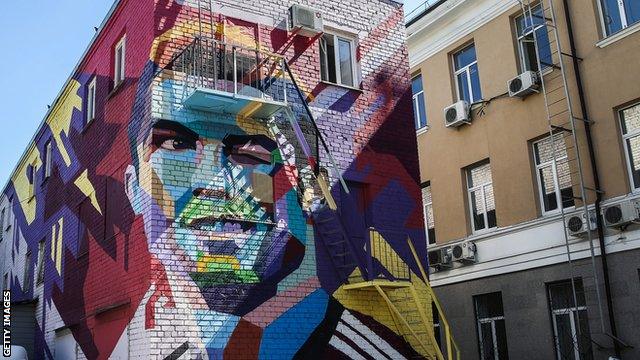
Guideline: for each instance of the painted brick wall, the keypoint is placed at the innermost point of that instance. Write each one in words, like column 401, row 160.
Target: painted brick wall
column 137, row 261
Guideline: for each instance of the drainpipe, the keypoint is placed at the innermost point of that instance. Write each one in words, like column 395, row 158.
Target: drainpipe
column 596, row 180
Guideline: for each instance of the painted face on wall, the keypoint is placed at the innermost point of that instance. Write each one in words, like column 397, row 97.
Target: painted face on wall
column 220, row 212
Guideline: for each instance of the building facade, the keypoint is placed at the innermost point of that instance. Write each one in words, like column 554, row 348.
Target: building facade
column 500, row 188
column 179, row 202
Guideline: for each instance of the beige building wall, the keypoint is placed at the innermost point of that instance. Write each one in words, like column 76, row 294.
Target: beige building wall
column 611, row 77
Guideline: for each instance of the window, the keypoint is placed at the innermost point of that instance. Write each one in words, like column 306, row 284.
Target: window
column 91, row 101
column 526, row 25
column 570, row 321
column 2, row 214
column 40, row 269
column 467, row 75
column 47, row 160
column 492, row 334
column 9, row 218
column 630, row 122
column 554, row 177
column 428, row 214
column 337, row 60
column 481, row 200
column 31, row 176
column 26, row 281
column 619, row 14
column 119, row 66
column 419, row 104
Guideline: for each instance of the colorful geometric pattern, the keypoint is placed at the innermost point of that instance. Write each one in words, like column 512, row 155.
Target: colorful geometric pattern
column 180, row 233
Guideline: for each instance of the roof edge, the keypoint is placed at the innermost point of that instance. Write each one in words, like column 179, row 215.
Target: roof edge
column 31, row 142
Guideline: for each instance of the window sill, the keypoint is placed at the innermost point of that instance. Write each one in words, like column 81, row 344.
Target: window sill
column 484, row 231
column 116, row 89
column 342, row 86
column 618, row 35
column 422, row 130
column 557, row 212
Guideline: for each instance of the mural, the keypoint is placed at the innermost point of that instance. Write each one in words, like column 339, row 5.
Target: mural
column 177, row 233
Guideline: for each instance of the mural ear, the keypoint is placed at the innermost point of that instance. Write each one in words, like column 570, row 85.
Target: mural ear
column 132, row 187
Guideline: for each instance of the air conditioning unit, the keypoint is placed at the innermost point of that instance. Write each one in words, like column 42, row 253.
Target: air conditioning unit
column 578, row 225
column 464, row 252
column 440, row 259
column 457, row 114
column 621, row 215
column 305, row 20
column 524, row 84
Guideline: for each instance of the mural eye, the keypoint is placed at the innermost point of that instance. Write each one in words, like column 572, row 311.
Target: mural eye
column 249, row 150
column 177, row 144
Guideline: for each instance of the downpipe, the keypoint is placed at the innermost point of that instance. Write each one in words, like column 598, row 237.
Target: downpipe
column 596, row 180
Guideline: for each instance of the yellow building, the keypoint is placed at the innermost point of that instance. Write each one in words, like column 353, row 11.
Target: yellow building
column 525, row 111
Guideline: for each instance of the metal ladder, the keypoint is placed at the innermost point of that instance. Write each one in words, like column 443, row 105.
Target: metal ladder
column 563, row 132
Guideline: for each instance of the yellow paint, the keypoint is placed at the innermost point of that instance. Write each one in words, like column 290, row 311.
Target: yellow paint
column 84, row 184
column 395, row 304
column 59, row 120
column 24, row 187
column 188, row 29
column 208, row 263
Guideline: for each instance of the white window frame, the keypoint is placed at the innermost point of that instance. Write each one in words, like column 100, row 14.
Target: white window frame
column 554, row 170
column 416, row 103
column 91, row 100
column 119, row 62
column 48, row 162
column 520, row 39
column 572, row 312
column 466, row 69
column 352, row 39
column 625, row 137
column 623, row 18
column 425, row 211
column 494, row 336
column 40, row 267
column 482, row 188
column 488, row 320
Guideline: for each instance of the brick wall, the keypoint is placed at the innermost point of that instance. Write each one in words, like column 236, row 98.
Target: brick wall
column 171, row 231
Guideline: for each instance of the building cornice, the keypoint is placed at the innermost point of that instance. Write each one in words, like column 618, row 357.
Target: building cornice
column 450, row 22
column 511, row 249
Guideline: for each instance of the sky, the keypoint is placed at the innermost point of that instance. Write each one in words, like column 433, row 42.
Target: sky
column 39, row 51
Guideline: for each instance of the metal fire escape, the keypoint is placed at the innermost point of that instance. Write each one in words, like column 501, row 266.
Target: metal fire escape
column 564, row 134
column 214, row 76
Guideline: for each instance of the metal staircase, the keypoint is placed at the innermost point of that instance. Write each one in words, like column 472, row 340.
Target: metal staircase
column 212, row 80
column 564, row 132
column 409, row 297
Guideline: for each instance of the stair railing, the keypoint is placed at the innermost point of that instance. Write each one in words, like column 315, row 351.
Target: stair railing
column 451, row 345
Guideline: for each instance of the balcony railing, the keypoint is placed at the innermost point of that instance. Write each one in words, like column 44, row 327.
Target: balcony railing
column 220, row 77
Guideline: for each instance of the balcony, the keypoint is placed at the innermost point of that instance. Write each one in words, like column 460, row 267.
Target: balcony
column 230, row 79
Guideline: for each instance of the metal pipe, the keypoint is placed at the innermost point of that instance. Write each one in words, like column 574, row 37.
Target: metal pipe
column 596, row 178
column 235, row 71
